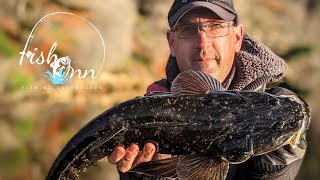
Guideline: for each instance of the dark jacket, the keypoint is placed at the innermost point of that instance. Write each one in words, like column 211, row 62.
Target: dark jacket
column 254, row 66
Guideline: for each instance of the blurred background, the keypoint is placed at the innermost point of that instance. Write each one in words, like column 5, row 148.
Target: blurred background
column 36, row 122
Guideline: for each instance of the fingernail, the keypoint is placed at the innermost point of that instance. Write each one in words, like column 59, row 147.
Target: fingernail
column 148, row 149
column 133, row 148
column 119, row 152
column 155, row 144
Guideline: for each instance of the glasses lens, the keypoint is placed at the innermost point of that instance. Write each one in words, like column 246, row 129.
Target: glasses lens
column 187, row 31
column 213, row 30
column 217, row 29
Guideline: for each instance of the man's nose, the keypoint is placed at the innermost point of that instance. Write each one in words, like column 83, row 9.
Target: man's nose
column 203, row 39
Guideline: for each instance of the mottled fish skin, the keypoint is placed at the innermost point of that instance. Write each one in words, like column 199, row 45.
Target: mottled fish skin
column 227, row 125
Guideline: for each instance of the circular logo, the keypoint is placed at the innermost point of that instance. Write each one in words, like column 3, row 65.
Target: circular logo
column 64, row 46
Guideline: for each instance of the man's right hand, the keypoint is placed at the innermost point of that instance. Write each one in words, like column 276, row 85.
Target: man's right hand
column 126, row 158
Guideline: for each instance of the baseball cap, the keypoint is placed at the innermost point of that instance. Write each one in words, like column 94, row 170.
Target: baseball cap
column 223, row 8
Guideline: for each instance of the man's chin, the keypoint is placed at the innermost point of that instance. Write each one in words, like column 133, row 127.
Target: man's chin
column 205, row 71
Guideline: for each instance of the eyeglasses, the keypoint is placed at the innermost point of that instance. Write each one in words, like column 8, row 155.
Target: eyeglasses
column 213, row 30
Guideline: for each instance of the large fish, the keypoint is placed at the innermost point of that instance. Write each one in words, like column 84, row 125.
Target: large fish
column 210, row 127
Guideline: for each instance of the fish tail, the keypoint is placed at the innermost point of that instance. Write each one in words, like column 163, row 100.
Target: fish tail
column 83, row 150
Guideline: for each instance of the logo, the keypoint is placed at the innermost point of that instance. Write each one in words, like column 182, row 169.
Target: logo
column 61, row 69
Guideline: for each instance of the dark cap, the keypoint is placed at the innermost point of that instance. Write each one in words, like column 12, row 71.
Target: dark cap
column 223, row 8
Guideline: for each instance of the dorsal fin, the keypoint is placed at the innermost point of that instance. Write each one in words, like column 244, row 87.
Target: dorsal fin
column 194, row 83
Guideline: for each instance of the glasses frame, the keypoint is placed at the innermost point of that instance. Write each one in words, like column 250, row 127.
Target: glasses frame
column 203, row 28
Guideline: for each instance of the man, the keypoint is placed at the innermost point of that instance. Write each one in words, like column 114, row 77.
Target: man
column 206, row 36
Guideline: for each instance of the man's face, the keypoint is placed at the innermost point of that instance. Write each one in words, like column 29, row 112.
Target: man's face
column 213, row 56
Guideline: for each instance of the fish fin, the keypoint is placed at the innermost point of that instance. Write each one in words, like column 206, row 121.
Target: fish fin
column 194, row 83
column 159, row 168
column 203, row 168
column 279, row 91
column 185, row 167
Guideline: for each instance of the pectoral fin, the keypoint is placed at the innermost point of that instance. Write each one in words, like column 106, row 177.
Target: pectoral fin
column 203, row 168
column 159, row 168
column 185, row 167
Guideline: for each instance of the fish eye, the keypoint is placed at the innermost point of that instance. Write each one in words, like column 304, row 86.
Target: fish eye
column 278, row 126
column 292, row 124
column 274, row 101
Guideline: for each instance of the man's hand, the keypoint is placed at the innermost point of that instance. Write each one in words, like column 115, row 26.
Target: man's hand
column 131, row 156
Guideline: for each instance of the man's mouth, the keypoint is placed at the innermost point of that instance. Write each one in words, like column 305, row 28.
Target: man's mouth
column 205, row 55
column 204, row 59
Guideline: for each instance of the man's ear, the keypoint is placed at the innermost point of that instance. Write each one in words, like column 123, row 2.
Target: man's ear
column 239, row 32
column 170, row 38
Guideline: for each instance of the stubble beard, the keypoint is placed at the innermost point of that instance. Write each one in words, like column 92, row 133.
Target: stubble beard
column 209, row 65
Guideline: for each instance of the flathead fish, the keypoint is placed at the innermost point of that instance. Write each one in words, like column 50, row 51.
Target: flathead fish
column 199, row 121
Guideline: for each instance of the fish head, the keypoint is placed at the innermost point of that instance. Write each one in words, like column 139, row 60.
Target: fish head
column 276, row 125
column 287, row 126
column 296, row 138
